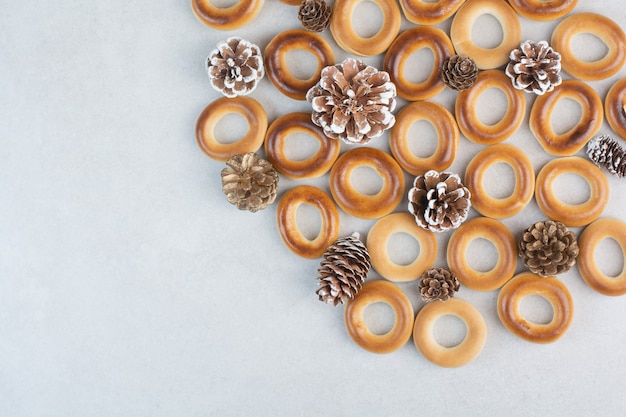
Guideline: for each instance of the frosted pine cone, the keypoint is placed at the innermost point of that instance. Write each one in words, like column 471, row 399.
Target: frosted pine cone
column 343, row 270
column 439, row 201
column 548, row 248
column 353, row 101
column 314, row 15
column 249, row 182
column 606, row 152
column 459, row 73
column 438, row 284
column 534, row 67
column 235, row 67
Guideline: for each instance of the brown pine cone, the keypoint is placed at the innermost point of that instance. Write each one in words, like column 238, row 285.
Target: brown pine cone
column 534, row 67
column 439, row 201
column 606, row 152
column 548, row 248
column 249, row 182
column 314, row 15
column 235, row 67
column 438, row 284
column 459, row 73
column 353, row 101
column 343, row 270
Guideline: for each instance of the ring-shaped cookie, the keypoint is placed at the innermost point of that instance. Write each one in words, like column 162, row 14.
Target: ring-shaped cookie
column 406, row 44
column 570, row 142
column 299, row 123
column 427, row 12
column 524, row 181
column 572, row 215
column 461, row 32
column 379, row 292
column 466, row 114
column 499, row 236
column 378, row 239
column 615, row 107
column 589, row 240
column 291, row 234
column 226, row 18
column 448, row 137
column 247, row 107
column 349, row 40
column 542, row 9
column 276, row 66
column 549, row 288
column 609, row 32
column 365, row 206
column 464, row 352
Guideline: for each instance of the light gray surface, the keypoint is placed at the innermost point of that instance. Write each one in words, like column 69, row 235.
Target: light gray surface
column 130, row 287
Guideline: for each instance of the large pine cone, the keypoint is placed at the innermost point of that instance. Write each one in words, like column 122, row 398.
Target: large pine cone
column 343, row 270
column 459, row 73
column 606, row 152
column 249, row 182
column 353, row 101
column 534, row 67
column 439, row 201
column 548, row 248
column 235, row 67
column 438, row 284
column 314, row 15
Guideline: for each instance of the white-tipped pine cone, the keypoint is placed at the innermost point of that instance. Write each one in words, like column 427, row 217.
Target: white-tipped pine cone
column 249, row 182
column 604, row 151
column 353, row 101
column 235, row 67
column 534, row 67
column 439, row 201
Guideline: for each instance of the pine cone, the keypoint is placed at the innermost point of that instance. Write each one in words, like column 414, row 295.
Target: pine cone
column 314, row 15
column 605, row 151
column 459, row 73
column 548, row 248
column 439, row 201
column 235, row 67
column 343, row 270
column 249, row 182
column 535, row 67
column 353, row 101
column 438, row 284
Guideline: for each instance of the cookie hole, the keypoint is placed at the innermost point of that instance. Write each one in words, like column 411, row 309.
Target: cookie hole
column 588, row 47
column 449, row 331
column 423, row 139
column 419, row 66
column 571, row 189
column 309, row 221
column 231, row 128
column 224, row 4
column 302, row 64
column 536, row 309
column 402, row 248
column 491, row 106
column 367, row 19
column 481, row 255
column 499, row 180
column 300, row 146
column 609, row 257
column 366, row 180
column 487, row 32
column 379, row 318
column 568, row 113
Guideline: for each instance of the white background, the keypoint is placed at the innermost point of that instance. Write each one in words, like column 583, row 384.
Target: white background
column 130, row 287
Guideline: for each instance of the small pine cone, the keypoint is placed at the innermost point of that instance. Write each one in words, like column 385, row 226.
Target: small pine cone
column 249, row 182
column 314, row 15
column 438, row 284
column 343, row 270
column 548, row 248
column 439, row 201
column 353, row 101
column 459, row 73
column 606, row 152
column 235, row 67
column 534, row 67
